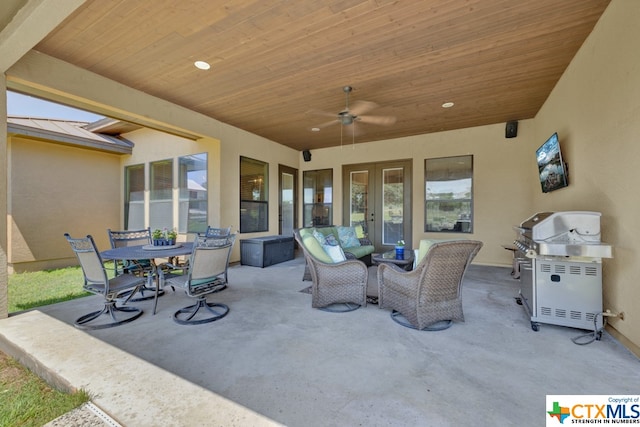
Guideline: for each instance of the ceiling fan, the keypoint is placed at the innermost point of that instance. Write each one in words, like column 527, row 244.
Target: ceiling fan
column 356, row 113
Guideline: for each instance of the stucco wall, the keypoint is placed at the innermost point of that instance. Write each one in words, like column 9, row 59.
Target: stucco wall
column 595, row 108
column 56, row 189
column 502, row 170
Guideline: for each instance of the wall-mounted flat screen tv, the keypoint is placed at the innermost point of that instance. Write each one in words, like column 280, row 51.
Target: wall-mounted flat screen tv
column 551, row 167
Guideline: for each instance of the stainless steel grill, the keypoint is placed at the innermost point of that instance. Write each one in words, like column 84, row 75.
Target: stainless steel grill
column 559, row 261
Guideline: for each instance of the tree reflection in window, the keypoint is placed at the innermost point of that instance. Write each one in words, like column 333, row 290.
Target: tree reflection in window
column 449, row 194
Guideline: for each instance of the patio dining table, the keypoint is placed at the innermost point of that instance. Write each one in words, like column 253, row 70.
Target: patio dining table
column 150, row 252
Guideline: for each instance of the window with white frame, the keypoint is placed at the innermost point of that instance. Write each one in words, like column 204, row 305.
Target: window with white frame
column 161, row 194
column 134, row 197
column 191, row 199
column 192, row 177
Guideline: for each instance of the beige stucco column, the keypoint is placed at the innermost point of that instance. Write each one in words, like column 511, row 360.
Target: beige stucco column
column 4, row 279
column 27, row 22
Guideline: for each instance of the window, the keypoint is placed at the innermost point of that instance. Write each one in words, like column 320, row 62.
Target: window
column 134, row 197
column 318, row 197
column 449, row 194
column 254, row 195
column 192, row 210
column 161, row 194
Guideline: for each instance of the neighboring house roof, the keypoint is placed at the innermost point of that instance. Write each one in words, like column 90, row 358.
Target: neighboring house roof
column 67, row 132
column 194, row 186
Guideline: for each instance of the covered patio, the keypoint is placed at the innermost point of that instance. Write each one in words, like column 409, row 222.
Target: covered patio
column 275, row 360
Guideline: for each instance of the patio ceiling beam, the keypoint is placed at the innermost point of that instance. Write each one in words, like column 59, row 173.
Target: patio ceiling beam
column 49, row 78
column 30, row 24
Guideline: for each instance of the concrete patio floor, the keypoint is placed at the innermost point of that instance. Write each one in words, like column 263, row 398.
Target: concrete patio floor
column 275, row 360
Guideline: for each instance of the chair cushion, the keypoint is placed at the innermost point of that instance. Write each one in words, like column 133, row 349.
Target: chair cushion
column 360, row 251
column 313, row 246
column 348, row 237
column 335, row 252
column 331, row 240
column 425, row 245
column 319, row 236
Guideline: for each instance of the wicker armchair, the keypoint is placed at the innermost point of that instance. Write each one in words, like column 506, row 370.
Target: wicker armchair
column 428, row 298
column 336, row 287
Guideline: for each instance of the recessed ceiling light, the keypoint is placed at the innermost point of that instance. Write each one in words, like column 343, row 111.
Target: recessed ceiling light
column 202, row 65
column 315, row 129
column 448, row 105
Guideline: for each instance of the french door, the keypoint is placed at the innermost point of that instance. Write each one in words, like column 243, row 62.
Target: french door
column 288, row 190
column 377, row 196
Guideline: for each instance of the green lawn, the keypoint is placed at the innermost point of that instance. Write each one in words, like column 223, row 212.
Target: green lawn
column 35, row 289
column 26, row 399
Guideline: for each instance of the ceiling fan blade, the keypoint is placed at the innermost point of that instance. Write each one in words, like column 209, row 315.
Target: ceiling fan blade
column 326, row 124
column 378, row 120
column 361, row 107
column 356, row 130
column 320, row 113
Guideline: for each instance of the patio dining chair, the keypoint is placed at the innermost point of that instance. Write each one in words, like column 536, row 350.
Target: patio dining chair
column 97, row 282
column 207, row 274
column 144, row 267
column 217, row 232
column 210, row 232
column 429, row 297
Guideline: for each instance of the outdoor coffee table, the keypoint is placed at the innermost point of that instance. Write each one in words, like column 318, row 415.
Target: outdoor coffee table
column 406, row 263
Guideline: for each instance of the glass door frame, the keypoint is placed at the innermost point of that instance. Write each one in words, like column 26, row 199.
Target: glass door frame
column 375, row 200
column 282, row 170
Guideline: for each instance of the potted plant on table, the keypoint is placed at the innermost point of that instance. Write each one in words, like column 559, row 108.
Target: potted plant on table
column 171, row 236
column 164, row 237
column 400, row 249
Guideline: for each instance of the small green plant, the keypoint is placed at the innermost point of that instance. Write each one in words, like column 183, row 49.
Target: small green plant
column 172, row 234
column 165, row 233
column 400, row 243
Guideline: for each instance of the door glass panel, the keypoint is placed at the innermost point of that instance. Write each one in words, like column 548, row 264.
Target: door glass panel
column 287, row 206
column 392, row 205
column 254, row 195
column 359, row 185
column 318, row 197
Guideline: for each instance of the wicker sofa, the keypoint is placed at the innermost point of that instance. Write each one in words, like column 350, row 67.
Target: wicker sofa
column 361, row 252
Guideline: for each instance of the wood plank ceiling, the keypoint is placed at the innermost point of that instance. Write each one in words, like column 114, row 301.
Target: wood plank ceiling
column 276, row 63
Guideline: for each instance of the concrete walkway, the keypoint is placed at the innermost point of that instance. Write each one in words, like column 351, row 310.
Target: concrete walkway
column 274, row 360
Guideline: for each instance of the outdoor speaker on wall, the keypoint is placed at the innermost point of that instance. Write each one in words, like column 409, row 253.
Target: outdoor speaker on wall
column 306, row 154
column 511, row 130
